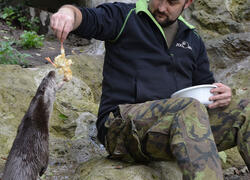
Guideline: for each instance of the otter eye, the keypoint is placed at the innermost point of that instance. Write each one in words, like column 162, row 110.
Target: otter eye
column 42, row 89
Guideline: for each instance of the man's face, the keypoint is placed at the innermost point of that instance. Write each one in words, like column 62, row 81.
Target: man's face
column 167, row 11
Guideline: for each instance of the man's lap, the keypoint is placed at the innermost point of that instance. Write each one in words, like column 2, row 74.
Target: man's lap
column 142, row 130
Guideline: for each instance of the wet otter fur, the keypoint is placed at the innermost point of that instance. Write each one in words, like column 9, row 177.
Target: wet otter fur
column 29, row 154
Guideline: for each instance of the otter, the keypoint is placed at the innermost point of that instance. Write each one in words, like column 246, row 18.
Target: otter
column 29, row 154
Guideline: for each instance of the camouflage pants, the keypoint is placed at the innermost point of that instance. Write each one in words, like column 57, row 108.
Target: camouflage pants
column 179, row 129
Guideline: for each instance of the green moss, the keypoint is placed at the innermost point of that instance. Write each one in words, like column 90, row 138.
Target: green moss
column 240, row 10
column 233, row 159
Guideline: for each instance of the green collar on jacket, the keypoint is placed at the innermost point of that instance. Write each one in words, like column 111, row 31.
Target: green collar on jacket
column 142, row 6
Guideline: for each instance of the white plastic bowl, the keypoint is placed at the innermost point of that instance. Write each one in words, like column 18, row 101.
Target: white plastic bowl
column 200, row 92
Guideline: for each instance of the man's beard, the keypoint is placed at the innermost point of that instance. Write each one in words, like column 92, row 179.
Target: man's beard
column 167, row 22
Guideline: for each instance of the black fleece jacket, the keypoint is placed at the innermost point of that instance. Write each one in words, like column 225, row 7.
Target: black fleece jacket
column 138, row 65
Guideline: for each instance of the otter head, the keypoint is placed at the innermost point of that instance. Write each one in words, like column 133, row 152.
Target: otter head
column 47, row 89
column 42, row 103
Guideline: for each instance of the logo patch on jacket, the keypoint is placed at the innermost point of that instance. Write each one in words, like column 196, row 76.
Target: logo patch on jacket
column 184, row 44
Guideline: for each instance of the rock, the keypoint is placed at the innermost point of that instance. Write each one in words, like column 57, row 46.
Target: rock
column 223, row 156
column 72, row 125
column 217, row 23
column 230, row 171
column 89, row 69
column 227, row 50
column 15, row 94
column 66, row 154
column 102, row 168
column 233, row 159
column 214, row 18
column 236, row 173
column 84, row 144
column 229, row 57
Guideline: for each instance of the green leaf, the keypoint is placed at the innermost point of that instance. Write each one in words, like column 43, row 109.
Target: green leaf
column 30, row 39
column 9, row 55
column 63, row 117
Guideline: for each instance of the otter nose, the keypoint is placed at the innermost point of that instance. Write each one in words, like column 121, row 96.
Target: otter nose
column 52, row 74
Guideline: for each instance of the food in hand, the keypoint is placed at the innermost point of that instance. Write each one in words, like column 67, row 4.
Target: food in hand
column 63, row 64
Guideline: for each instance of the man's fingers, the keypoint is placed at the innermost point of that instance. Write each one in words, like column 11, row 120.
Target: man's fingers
column 52, row 22
column 221, row 88
column 213, row 105
column 220, row 96
column 55, row 25
column 61, row 24
column 219, row 103
column 66, row 30
column 221, row 92
column 224, row 102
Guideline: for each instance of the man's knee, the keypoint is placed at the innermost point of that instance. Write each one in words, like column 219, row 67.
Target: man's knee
column 182, row 103
column 194, row 106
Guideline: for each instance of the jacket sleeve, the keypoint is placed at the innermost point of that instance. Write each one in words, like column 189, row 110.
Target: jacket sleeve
column 202, row 73
column 103, row 22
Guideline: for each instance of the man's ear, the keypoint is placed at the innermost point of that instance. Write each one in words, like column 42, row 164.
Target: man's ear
column 188, row 3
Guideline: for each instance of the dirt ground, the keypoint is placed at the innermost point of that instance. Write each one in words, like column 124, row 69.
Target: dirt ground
column 51, row 49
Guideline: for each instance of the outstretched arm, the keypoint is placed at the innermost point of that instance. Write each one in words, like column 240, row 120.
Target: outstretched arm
column 103, row 22
column 65, row 20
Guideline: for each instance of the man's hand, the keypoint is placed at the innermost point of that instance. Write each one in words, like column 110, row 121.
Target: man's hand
column 222, row 96
column 65, row 20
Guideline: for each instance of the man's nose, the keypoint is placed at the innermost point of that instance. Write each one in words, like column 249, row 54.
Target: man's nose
column 163, row 6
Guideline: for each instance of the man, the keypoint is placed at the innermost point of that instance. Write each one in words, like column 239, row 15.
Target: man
column 151, row 52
